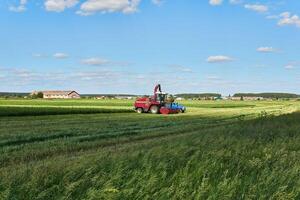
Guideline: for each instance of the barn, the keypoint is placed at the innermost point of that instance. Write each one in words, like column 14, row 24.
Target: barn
column 59, row 94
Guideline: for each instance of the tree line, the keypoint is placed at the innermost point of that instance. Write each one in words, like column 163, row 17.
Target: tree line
column 198, row 95
column 268, row 95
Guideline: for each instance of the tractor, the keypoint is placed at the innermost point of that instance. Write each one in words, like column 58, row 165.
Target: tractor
column 159, row 103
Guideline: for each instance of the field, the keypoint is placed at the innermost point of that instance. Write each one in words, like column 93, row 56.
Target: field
column 101, row 149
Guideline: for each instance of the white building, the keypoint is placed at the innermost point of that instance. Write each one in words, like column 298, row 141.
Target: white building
column 58, row 94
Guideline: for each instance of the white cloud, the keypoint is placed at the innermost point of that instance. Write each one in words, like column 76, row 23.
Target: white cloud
column 257, row 7
column 107, row 6
column 218, row 59
column 286, row 18
column 60, row 55
column 215, row 2
column 266, row 49
column 289, row 66
column 59, row 5
column 82, row 13
column 95, row 61
column 285, row 15
column 20, row 8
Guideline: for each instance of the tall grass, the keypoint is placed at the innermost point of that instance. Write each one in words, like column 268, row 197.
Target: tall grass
column 66, row 102
column 36, row 111
column 224, row 153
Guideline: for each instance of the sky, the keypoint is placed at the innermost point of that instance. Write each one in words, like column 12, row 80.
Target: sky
column 128, row 46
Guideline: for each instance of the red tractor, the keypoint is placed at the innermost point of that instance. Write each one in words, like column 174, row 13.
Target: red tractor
column 158, row 103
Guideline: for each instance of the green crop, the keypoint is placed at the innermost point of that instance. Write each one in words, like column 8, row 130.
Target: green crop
column 88, row 149
column 36, row 111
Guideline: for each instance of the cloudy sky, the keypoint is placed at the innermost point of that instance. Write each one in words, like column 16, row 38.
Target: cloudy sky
column 127, row 46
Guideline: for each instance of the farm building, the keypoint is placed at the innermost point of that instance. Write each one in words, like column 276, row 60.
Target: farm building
column 247, row 98
column 100, row 97
column 124, row 97
column 58, row 94
column 253, row 98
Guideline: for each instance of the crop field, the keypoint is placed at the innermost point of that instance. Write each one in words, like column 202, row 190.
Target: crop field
column 102, row 149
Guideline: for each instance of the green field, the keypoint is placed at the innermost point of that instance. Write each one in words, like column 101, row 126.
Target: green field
column 101, row 149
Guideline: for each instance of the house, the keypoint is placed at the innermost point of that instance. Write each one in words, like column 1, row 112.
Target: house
column 124, row 97
column 253, row 98
column 101, row 97
column 247, row 98
column 58, row 94
column 235, row 98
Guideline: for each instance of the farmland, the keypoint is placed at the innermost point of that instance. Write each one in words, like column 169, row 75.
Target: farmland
column 101, row 149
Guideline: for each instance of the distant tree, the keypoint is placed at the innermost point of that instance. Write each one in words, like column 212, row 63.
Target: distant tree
column 242, row 98
column 268, row 95
column 12, row 94
column 40, row 95
column 198, row 95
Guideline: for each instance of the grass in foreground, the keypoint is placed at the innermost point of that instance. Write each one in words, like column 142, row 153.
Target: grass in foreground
column 225, row 153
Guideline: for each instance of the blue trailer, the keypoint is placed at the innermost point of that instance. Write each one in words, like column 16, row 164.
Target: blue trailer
column 176, row 106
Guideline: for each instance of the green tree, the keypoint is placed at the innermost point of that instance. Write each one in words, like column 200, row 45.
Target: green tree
column 40, row 95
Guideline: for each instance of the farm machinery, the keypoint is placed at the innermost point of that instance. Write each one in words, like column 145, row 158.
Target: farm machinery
column 159, row 103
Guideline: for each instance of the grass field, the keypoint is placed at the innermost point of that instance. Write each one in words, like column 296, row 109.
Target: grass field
column 101, row 149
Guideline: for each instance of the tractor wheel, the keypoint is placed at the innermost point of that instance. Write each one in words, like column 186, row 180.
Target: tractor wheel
column 154, row 109
column 139, row 110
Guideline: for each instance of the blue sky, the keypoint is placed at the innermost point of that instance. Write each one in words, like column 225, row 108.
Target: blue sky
column 127, row 46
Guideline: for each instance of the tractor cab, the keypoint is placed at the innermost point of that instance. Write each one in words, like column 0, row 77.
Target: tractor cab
column 161, row 97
